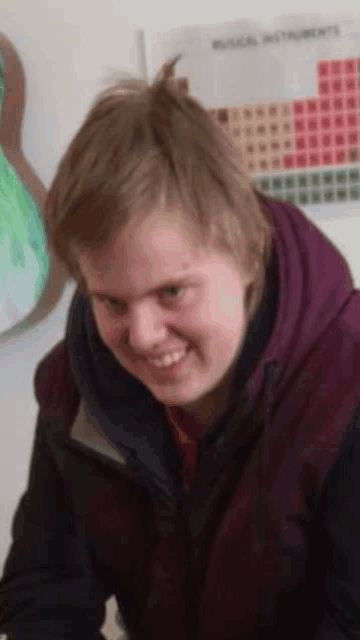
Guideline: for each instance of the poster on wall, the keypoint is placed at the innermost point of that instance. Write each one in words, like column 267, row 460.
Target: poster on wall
column 287, row 92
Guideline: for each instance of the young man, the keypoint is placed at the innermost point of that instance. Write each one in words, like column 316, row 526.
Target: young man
column 197, row 447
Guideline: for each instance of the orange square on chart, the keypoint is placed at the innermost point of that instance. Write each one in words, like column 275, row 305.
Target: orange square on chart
column 273, row 110
column 223, row 116
column 260, row 130
column 247, row 114
column 234, row 115
column 260, row 112
column 286, row 127
column 275, row 163
column 353, row 155
column 264, row 165
column 274, row 146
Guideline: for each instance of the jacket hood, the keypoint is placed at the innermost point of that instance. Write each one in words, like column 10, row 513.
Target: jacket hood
column 313, row 285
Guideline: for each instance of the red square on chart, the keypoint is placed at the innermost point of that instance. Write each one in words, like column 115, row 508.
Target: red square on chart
column 350, row 65
column 326, row 140
column 323, row 69
column 339, row 139
column 325, row 122
column 300, row 144
column 327, row 157
column 325, row 105
column 300, row 125
column 340, row 157
column 338, row 104
column 351, row 119
column 352, row 137
column 301, row 160
column 324, row 87
column 298, row 107
column 350, row 84
column 312, row 124
column 288, row 162
column 336, row 86
column 314, row 159
column 336, row 67
column 350, row 102
column 313, row 142
column 339, row 122
column 312, row 106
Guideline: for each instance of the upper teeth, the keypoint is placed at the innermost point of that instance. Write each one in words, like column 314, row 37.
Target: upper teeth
column 168, row 359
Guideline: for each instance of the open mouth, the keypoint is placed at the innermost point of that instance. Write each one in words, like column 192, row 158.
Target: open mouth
column 170, row 362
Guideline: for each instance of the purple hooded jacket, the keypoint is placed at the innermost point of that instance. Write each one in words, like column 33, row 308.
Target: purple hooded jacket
column 265, row 543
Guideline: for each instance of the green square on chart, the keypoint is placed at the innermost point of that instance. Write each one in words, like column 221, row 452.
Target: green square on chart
column 354, row 175
column 289, row 182
column 341, row 177
column 341, row 195
column 329, row 195
column 264, row 185
column 290, row 197
column 328, row 178
column 355, row 193
column 316, row 197
column 315, row 179
column 277, row 183
column 302, row 180
column 303, row 197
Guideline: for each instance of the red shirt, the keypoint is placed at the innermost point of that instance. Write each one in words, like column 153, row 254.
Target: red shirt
column 186, row 432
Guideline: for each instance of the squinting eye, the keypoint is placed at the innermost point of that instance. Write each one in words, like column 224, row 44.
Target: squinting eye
column 172, row 293
column 115, row 305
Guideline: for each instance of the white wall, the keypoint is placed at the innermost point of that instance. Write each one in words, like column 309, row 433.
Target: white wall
column 67, row 47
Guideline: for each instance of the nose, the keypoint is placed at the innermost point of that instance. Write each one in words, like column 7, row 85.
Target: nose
column 146, row 329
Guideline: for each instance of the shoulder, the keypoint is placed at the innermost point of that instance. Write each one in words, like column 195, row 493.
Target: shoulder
column 53, row 380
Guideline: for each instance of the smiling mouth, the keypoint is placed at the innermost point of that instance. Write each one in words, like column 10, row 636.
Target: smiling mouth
column 169, row 359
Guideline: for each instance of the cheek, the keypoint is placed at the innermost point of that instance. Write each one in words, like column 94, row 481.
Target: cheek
column 109, row 327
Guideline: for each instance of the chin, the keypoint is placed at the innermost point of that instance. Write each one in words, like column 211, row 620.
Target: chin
column 176, row 398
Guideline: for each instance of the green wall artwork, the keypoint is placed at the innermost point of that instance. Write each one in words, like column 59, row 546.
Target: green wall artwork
column 30, row 281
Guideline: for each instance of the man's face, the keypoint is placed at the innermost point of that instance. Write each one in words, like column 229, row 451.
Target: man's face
column 171, row 312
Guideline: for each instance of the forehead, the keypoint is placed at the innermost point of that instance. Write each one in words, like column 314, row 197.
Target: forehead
column 146, row 252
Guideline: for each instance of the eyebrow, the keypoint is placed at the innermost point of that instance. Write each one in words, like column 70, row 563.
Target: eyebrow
column 163, row 285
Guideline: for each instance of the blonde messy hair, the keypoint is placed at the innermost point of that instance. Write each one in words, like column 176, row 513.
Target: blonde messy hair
column 140, row 144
